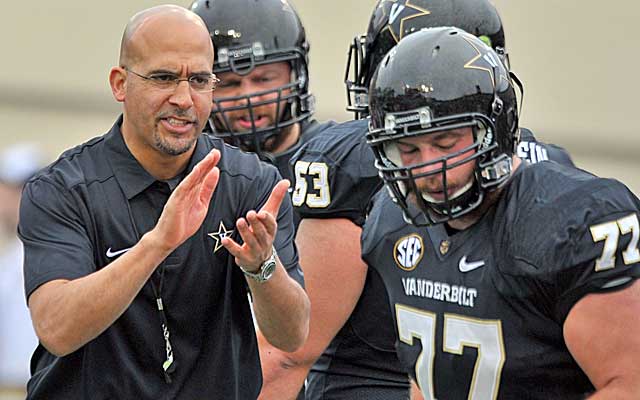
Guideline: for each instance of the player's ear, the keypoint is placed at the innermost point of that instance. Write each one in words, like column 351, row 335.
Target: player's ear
column 118, row 83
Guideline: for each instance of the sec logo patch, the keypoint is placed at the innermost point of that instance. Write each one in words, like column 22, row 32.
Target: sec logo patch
column 408, row 252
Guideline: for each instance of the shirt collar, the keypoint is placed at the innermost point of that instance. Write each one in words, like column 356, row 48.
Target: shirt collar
column 131, row 176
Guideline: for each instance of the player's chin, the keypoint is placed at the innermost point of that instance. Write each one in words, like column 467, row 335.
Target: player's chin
column 431, row 191
column 434, row 197
column 439, row 195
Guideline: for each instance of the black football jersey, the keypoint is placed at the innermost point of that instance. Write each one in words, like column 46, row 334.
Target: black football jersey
column 479, row 313
column 335, row 177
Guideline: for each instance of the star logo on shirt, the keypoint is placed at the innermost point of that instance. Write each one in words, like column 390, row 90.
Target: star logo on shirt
column 219, row 235
column 397, row 13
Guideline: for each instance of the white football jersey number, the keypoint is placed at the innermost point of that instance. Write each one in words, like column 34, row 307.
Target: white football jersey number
column 320, row 174
column 459, row 331
column 610, row 233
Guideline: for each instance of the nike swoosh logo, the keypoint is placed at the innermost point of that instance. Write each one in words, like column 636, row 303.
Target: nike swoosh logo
column 112, row 254
column 465, row 266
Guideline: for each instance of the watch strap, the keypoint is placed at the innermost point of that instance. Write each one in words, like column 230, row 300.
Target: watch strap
column 265, row 271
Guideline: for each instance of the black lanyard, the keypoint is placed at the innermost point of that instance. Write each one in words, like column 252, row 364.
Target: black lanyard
column 169, row 364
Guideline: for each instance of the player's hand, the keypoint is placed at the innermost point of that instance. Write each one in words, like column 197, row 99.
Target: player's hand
column 258, row 230
column 188, row 204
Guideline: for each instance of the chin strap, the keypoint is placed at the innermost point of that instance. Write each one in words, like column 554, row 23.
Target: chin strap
column 498, row 170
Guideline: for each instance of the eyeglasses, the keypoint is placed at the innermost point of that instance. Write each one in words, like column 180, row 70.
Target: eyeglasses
column 169, row 81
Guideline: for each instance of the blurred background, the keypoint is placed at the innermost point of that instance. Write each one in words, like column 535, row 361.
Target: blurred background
column 577, row 59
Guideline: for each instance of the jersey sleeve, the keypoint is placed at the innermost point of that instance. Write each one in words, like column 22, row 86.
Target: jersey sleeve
column 53, row 231
column 335, row 176
column 586, row 242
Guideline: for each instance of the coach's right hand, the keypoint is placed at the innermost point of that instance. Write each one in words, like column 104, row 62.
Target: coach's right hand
column 188, row 205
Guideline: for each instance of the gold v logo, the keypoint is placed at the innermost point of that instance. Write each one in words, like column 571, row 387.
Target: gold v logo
column 396, row 10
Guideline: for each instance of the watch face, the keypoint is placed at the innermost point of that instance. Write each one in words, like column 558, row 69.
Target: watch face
column 268, row 268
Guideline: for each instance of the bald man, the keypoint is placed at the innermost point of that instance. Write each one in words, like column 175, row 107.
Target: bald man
column 136, row 273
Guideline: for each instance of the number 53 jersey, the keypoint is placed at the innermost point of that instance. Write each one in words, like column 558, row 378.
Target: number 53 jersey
column 479, row 313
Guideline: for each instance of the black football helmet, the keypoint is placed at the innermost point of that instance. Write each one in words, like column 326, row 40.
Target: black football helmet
column 249, row 33
column 441, row 79
column 393, row 20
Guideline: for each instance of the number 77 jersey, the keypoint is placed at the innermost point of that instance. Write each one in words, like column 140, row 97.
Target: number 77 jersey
column 479, row 313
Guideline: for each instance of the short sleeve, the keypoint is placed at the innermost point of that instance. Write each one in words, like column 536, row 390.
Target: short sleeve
column 589, row 243
column 54, row 234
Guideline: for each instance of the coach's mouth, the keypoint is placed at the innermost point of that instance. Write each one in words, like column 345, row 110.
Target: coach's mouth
column 177, row 125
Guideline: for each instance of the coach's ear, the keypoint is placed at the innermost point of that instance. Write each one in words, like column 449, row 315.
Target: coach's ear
column 118, row 82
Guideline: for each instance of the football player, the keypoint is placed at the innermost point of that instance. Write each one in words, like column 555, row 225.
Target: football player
column 262, row 103
column 351, row 335
column 516, row 280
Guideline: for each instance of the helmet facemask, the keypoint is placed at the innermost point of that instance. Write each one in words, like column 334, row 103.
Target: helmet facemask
column 402, row 179
column 293, row 103
column 354, row 78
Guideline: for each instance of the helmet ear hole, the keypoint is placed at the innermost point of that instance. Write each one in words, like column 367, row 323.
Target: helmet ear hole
column 512, row 120
column 512, row 124
column 496, row 107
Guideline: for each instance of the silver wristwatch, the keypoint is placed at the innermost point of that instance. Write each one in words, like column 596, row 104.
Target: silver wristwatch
column 266, row 270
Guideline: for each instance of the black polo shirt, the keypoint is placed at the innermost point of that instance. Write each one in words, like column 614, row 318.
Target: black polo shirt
column 96, row 201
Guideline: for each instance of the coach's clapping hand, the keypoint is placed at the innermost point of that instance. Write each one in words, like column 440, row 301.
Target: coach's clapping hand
column 188, row 205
